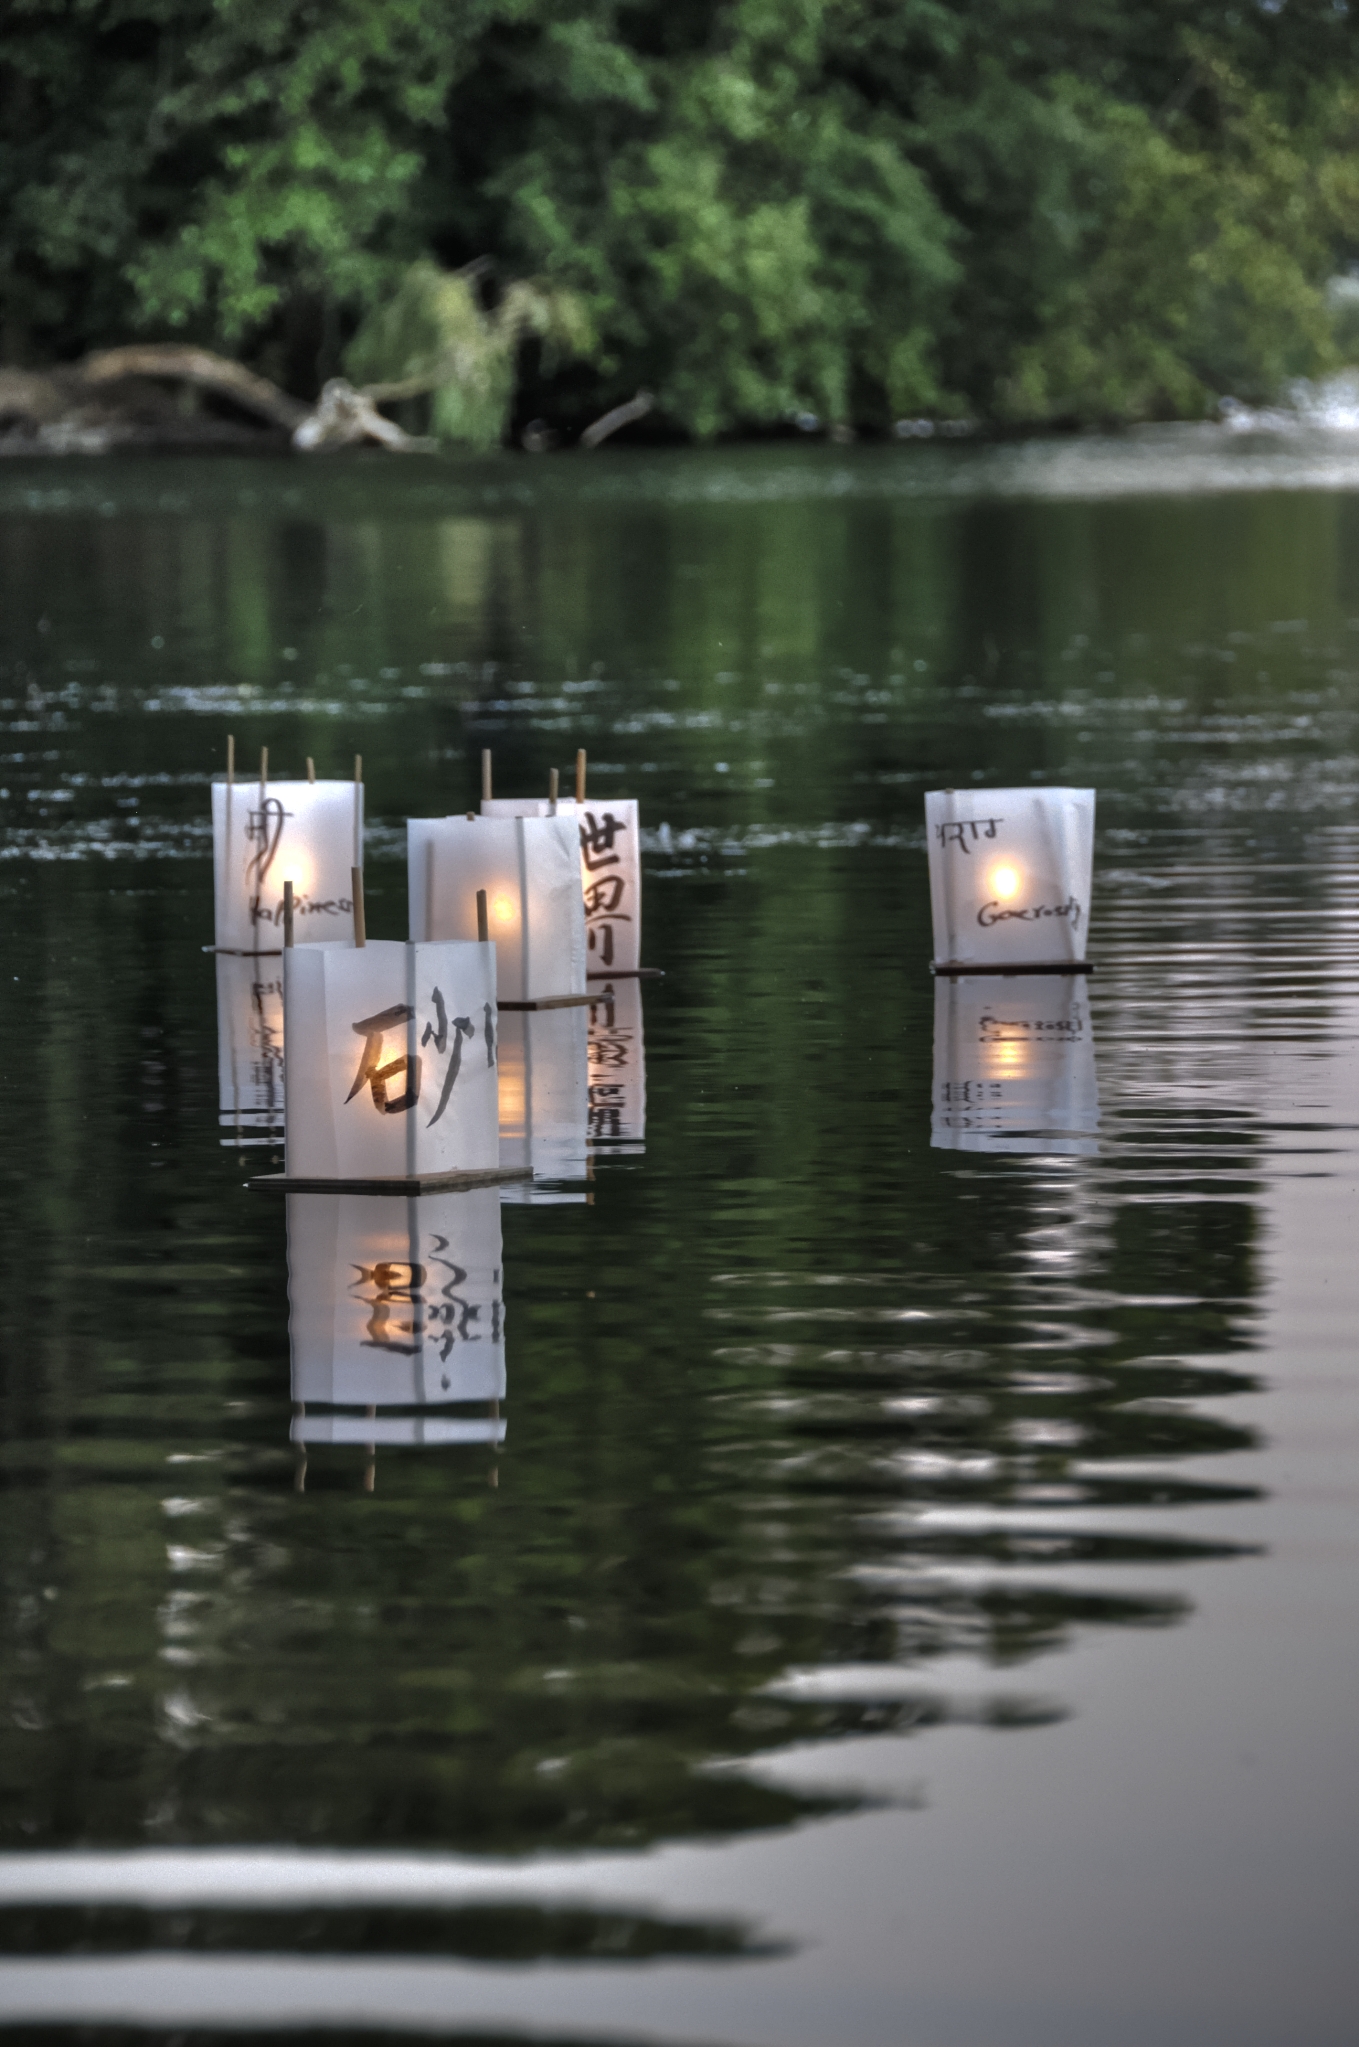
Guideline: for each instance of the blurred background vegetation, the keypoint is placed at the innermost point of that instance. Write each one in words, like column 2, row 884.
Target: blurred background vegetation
column 846, row 212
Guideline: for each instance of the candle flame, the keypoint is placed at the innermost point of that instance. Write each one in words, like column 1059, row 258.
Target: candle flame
column 1004, row 882
column 502, row 909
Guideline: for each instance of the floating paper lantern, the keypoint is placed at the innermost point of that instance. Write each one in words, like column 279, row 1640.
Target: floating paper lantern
column 396, row 1303
column 265, row 833
column 617, row 1068
column 250, row 1048
column 544, row 1100
column 529, row 868
column 1010, row 874
column 1014, row 1064
column 610, row 865
column 391, row 1060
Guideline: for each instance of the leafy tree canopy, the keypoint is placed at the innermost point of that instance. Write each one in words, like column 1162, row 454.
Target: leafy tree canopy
column 1022, row 209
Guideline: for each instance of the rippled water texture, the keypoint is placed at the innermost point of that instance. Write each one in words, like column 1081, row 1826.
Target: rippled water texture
column 904, row 1590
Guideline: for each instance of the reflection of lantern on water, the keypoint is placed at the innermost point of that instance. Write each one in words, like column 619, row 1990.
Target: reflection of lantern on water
column 544, row 1099
column 529, row 869
column 249, row 1048
column 396, row 1317
column 617, row 1067
column 1014, row 1064
column 266, row 833
column 391, row 1066
column 1010, row 873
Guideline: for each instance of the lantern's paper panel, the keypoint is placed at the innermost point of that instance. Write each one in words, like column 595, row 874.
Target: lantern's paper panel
column 1010, row 873
column 250, row 1048
column 610, row 873
column 544, row 1098
column 395, row 1302
column 530, row 870
column 391, row 1060
column 617, row 1067
column 309, row 833
column 1014, row 1064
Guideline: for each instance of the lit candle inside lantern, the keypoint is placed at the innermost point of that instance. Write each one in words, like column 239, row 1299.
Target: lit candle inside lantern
column 529, row 868
column 264, row 834
column 544, row 1098
column 1010, row 874
column 390, row 1060
column 610, row 869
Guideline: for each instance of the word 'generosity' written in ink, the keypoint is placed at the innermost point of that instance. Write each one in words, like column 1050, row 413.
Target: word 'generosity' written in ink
column 992, row 913
column 955, row 834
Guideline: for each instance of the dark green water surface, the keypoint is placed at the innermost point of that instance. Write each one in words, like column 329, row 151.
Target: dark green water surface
column 915, row 1600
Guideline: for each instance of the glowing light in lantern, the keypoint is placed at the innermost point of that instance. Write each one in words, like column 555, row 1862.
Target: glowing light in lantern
column 1004, row 882
column 502, row 909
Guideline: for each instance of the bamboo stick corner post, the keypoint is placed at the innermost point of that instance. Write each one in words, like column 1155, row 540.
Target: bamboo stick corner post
column 580, row 774
column 356, row 889
column 485, row 774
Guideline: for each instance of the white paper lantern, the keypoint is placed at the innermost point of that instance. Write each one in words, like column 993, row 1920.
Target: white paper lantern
column 249, row 1048
column 544, row 1100
column 1010, row 873
column 1014, row 1064
column 396, row 1302
column 617, row 1068
column 610, row 873
column 309, row 833
column 390, row 1060
column 530, row 870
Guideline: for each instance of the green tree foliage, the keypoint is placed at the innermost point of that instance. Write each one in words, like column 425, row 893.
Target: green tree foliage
column 1025, row 209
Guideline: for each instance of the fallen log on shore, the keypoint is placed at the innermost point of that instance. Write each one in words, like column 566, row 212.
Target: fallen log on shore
column 148, row 398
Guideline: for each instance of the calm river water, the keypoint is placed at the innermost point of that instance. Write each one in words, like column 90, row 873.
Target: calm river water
column 914, row 1602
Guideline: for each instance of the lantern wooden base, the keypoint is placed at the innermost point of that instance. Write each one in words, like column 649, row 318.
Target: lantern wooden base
column 414, row 1183
column 630, row 974
column 240, row 952
column 551, row 1002
column 952, row 967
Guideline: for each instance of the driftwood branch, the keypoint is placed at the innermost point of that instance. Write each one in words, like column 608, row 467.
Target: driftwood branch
column 201, row 368
column 621, row 416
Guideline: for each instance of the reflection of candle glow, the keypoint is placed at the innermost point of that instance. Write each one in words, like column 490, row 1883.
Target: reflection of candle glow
column 1004, row 1058
column 502, row 909
column 1004, row 882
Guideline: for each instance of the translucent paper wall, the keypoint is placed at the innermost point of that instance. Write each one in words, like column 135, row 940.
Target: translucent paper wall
column 1014, row 1064
column 1010, row 873
column 530, row 870
column 610, row 873
column 309, row 833
column 395, row 1303
column 544, row 1093
column 391, row 1060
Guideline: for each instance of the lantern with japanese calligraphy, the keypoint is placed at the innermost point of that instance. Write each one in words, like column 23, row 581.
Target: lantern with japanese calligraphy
column 249, row 1048
column 544, row 1099
column 617, row 1067
column 396, row 1303
column 391, row 1060
column 610, row 873
column 1010, row 874
column 266, row 833
column 1014, row 1064
column 529, row 868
